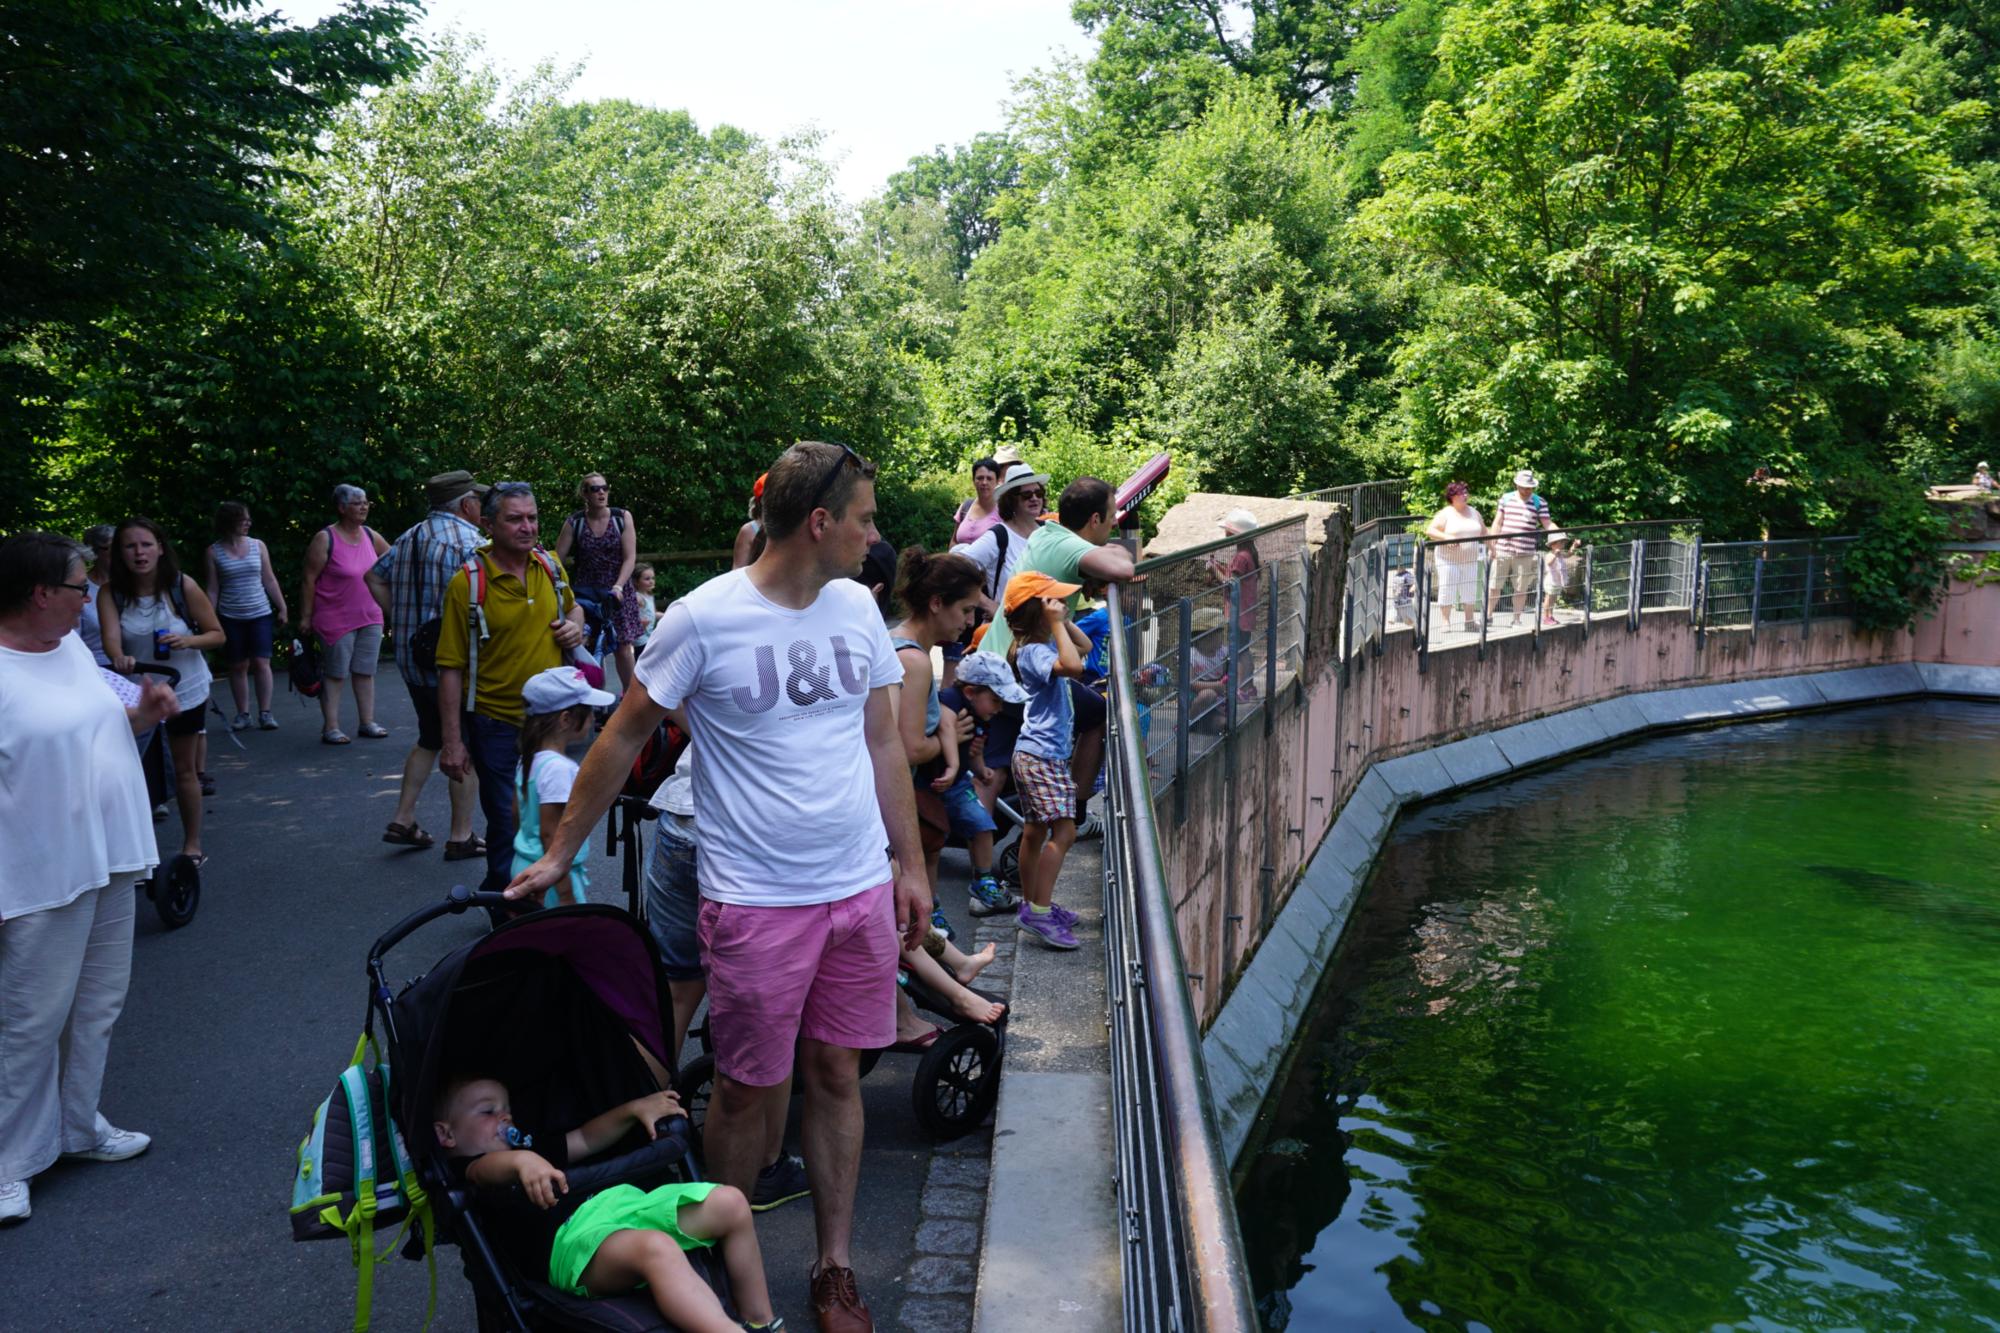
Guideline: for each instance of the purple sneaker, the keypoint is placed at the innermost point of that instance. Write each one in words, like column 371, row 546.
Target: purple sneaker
column 1063, row 915
column 1044, row 927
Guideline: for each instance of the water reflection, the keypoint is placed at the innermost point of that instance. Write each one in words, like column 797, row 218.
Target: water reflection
column 1705, row 1031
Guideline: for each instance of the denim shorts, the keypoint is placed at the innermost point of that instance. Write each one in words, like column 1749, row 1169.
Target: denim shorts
column 968, row 816
column 673, row 899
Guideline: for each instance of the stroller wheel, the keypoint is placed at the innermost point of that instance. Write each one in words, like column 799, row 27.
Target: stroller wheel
column 957, row 1082
column 177, row 891
column 694, row 1086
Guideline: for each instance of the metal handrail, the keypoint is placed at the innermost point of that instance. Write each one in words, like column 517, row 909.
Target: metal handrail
column 1183, row 1258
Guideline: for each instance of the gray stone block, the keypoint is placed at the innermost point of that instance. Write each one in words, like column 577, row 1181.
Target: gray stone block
column 1673, row 708
column 1778, row 694
column 939, row 1276
column 1308, row 918
column 935, row 1315
column 947, row 1201
column 1283, row 967
column 1528, row 743
column 1233, row 1091
column 1618, row 717
column 1576, row 730
column 1415, row 777
column 1861, row 683
column 1372, row 796
column 948, row 1237
column 1950, row 678
column 961, row 1172
column 1474, row 759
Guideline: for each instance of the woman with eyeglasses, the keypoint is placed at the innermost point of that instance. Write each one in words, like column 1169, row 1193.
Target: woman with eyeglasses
column 1022, row 496
column 151, row 612
column 337, row 605
column 599, row 545
column 66, row 902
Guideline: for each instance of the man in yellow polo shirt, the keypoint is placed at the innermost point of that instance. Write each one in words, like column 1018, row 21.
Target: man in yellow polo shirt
column 530, row 623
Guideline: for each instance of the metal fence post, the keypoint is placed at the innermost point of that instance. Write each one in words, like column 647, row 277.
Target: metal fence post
column 1635, row 585
column 1421, row 624
column 1485, row 598
column 1381, row 561
column 1805, row 616
column 1694, row 581
column 1347, row 638
column 1535, row 633
column 1184, row 724
column 1756, row 593
column 1235, row 657
column 1270, row 650
column 1589, row 602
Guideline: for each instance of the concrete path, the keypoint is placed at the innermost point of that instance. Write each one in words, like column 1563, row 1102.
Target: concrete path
column 237, row 1025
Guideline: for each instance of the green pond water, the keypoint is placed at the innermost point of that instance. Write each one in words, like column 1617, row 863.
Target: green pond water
column 1699, row 1033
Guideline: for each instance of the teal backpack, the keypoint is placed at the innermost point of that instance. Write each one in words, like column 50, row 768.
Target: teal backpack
column 342, row 1188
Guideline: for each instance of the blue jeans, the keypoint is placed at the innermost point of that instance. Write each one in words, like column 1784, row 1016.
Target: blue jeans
column 495, row 750
column 673, row 901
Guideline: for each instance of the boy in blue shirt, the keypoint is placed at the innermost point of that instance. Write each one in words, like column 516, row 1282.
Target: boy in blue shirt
column 1047, row 653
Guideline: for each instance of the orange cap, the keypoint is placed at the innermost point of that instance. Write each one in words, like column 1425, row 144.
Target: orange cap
column 757, row 491
column 977, row 636
column 1033, row 584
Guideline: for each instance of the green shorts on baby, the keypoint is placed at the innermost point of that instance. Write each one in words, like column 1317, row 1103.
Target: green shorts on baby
column 620, row 1208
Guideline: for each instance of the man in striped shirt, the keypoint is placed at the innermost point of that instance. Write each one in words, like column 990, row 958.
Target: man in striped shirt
column 1515, row 521
column 409, row 582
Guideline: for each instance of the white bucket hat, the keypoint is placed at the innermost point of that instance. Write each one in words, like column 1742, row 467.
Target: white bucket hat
column 1237, row 522
column 1525, row 479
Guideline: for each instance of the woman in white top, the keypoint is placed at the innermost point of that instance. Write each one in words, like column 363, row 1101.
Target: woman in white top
column 1457, row 566
column 152, row 612
column 247, row 597
column 70, row 774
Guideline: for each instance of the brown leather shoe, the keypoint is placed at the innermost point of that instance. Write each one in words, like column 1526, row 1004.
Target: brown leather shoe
column 837, row 1303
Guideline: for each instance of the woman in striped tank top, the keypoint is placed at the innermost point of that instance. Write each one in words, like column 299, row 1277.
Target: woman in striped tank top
column 247, row 597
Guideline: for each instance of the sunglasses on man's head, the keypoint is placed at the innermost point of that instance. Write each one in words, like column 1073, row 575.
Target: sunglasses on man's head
column 847, row 456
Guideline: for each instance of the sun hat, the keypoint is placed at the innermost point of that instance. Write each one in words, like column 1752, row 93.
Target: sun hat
column 561, row 687
column 1554, row 535
column 1007, row 453
column 447, row 488
column 1027, row 586
column 1525, row 479
column 990, row 671
column 1237, row 521
column 1018, row 476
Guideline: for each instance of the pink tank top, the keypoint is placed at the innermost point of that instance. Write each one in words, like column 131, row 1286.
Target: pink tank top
column 342, row 602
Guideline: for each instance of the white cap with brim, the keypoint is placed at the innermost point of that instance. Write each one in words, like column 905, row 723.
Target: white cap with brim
column 561, row 687
column 990, row 671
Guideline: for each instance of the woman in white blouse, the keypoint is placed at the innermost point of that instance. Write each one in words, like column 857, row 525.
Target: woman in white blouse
column 68, row 762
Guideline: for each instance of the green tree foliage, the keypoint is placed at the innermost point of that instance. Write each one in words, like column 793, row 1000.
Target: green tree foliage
column 136, row 173
column 960, row 187
column 1663, row 246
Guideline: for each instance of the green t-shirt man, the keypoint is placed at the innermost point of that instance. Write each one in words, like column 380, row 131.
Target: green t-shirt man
column 1060, row 553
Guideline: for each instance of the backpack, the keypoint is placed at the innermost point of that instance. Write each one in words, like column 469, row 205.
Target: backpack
column 475, row 607
column 656, row 760
column 341, row 1189
column 577, row 530
column 303, row 670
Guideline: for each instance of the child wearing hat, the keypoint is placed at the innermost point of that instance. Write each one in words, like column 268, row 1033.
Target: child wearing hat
column 558, row 704
column 1047, row 653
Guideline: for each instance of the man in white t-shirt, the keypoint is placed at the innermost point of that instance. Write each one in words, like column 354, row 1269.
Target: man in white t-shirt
column 783, row 670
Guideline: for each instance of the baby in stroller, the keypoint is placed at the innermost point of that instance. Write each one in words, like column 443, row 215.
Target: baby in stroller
column 618, row 1238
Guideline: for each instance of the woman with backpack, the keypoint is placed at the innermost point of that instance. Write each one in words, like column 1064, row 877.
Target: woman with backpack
column 1019, row 499
column 600, row 545
column 150, row 612
column 339, row 608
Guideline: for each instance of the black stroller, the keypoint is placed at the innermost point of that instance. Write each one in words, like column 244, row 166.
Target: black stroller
column 570, row 1009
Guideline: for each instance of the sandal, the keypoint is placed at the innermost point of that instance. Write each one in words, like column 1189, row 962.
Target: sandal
column 407, row 835
column 918, row 1045
column 466, row 850
column 374, row 731
column 335, row 737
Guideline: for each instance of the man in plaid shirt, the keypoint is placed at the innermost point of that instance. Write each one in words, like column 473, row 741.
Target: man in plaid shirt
column 1519, row 515
column 409, row 581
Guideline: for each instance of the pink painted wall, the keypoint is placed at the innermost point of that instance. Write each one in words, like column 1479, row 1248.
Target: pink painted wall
column 1258, row 806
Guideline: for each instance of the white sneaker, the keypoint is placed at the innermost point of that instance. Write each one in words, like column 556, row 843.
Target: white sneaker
column 14, row 1201
column 1089, row 827
column 115, row 1146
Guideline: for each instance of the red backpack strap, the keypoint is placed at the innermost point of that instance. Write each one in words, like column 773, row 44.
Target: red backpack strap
column 554, row 571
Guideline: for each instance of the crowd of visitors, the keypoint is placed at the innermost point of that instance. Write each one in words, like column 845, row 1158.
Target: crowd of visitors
column 795, row 864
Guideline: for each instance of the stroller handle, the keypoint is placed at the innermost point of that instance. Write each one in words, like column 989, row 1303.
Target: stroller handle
column 457, row 901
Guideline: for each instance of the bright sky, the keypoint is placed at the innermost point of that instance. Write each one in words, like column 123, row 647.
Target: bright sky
column 884, row 80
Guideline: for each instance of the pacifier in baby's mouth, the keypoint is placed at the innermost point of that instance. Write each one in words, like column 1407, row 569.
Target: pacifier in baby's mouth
column 515, row 1138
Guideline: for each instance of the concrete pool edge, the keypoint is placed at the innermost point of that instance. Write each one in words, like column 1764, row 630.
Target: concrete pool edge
column 1248, row 1045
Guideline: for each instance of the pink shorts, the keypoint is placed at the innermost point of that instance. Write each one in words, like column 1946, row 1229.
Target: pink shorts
column 775, row 974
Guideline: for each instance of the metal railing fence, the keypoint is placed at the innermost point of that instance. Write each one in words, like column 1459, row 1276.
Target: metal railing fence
column 1182, row 1261
column 1365, row 501
column 1776, row 582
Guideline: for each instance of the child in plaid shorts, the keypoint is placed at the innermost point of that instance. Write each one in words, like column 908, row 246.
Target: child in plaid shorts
column 1047, row 653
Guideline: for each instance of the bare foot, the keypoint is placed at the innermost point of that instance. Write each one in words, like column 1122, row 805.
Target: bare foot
column 976, row 1008
column 914, row 1029
column 974, row 964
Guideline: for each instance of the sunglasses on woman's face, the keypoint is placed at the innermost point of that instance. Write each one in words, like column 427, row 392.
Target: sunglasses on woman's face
column 598, row 486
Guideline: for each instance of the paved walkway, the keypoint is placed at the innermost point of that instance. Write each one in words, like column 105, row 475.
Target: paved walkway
column 237, row 1025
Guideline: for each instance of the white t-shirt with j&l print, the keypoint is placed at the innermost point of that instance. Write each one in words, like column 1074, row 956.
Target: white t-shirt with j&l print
column 785, row 792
